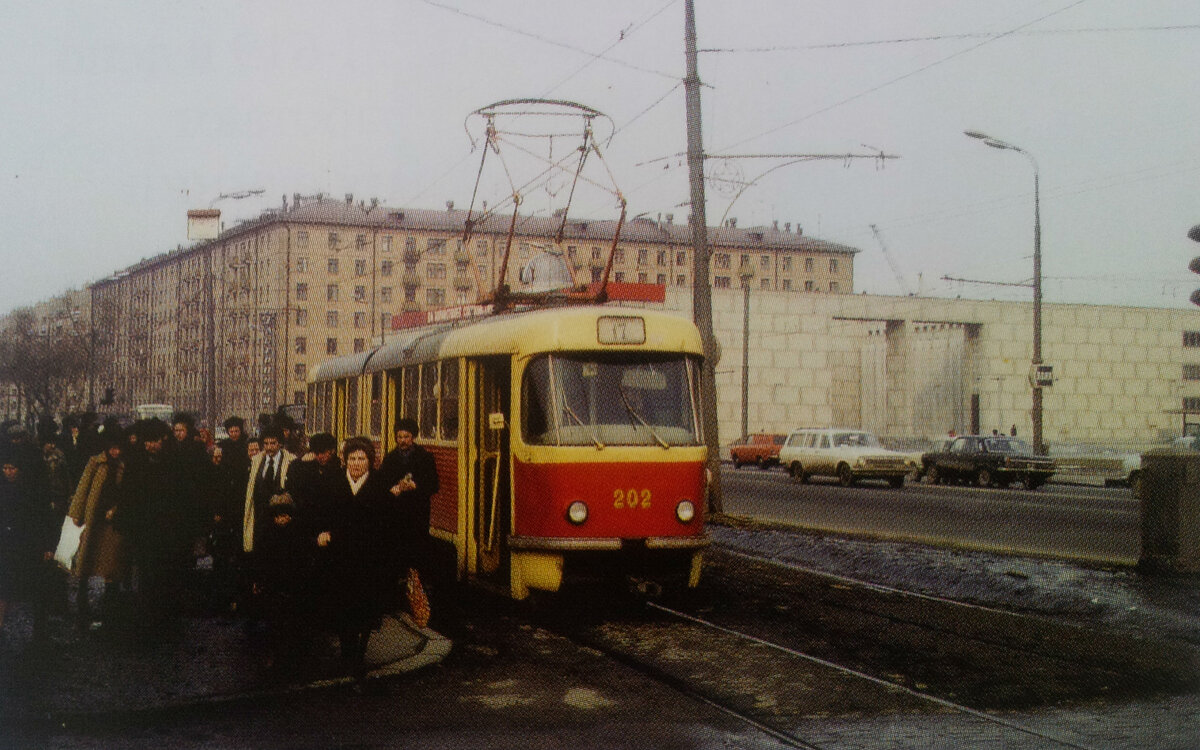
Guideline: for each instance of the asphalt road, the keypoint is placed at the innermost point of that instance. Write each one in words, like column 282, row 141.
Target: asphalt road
column 1083, row 523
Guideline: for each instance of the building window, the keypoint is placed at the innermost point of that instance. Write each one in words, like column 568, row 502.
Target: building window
column 681, row 280
column 331, row 345
column 331, row 318
column 333, row 265
column 360, row 320
column 301, row 292
column 387, row 243
column 833, row 286
column 410, row 294
column 385, row 294
column 662, row 279
column 808, row 286
column 787, row 264
column 642, row 278
column 435, row 246
column 301, row 345
column 764, row 262
column 301, row 265
column 833, row 265
column 721, row 282
column 787, row 285
column 596, row 256
column 571, row 252
column 680, row 258
column 360, row 240
column 301, row 318
column 385, row 268
column 333, row 240
column 618, row 276
column 1191, row 339
column 1191, row 404
column 808, row 264
column 618, row 256
column 301, row 239
column 299, row 370
column 360, row 345
column 662, row 257
column 722, row 260
column 385, row 321
column 435, row 296
column 764, row 284
column 360, row 293
column 436, row 271
column 331, row 292
column 360, row 267
column 297, row 397
column 643, row 256
column 1191, row 372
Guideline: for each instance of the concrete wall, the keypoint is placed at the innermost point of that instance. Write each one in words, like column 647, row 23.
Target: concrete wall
column 908, row 367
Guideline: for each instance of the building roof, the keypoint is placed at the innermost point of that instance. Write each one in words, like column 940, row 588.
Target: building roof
column 348, row 214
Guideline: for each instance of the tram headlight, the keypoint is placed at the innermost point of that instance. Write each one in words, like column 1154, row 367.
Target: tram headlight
column 685, row 511
column 577, row 512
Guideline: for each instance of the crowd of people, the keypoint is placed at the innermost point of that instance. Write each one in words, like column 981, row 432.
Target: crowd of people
column 301, row 539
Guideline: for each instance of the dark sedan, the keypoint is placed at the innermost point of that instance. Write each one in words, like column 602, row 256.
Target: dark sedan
column 987, row 460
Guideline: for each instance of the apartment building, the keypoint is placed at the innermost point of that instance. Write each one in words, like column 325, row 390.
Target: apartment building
column 233, row 324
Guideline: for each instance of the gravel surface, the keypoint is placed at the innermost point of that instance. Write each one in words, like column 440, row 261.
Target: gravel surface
column 1167, row 606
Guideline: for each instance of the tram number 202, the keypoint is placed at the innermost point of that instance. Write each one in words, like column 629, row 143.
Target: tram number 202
column 631, row 499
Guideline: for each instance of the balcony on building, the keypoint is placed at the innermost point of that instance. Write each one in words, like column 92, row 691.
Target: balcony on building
column 410, row 279
column 462, row 281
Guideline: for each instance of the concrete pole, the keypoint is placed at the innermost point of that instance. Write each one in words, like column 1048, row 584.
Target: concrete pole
column 701, row 291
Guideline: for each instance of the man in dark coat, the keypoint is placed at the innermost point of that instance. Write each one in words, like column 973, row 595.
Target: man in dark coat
column 234, row 454
column 410, row 473
column 160, row 522
column 314, row 478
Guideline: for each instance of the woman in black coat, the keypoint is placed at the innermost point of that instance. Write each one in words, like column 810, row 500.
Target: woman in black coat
column 352, row 532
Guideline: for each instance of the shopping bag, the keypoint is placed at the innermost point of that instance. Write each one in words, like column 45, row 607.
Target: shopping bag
column 418, row 602
column 68, row 544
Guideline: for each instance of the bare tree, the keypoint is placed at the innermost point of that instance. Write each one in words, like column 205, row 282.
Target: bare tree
column 45, row 361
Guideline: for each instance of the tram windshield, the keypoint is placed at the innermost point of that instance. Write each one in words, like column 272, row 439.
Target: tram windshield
column 617, row 399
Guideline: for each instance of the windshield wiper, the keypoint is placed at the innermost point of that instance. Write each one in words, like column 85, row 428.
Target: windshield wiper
column 638, row 417
column 580, row 422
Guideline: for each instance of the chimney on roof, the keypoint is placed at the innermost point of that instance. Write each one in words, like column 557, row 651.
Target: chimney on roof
column 349, row 199
column 285, row 203
column 798, row 229
column 295, row 200
column 485, row 207
column 449, row 205
column 776, row 225
column 670, row 218
column 787, row 226
column 733, row 222
column 374, row 203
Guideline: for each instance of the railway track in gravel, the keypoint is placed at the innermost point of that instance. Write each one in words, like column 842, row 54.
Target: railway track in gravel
column 797, row 645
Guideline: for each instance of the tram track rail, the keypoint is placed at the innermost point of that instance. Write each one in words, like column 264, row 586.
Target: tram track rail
column 851, row 647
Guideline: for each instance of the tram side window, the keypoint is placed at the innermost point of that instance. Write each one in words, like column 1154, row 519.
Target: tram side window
column 412, row 379
column 376, row 404
column 449, row 390
column 351, row 406
column 429, row 399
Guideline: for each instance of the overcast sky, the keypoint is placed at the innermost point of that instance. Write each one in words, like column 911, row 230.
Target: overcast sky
column 119, row 117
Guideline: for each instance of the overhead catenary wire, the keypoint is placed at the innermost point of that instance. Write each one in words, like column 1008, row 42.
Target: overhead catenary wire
column 897, row 79
column 947, row 37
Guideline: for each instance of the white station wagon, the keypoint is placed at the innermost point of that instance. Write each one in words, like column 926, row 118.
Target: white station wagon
column 849, row 455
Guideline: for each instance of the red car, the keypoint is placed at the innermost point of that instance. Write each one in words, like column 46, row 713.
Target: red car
column 760, row 448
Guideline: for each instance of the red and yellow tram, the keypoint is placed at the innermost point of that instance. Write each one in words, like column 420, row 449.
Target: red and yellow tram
column 568, row 440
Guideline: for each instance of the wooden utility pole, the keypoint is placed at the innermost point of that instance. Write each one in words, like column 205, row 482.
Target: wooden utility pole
column 701, row 291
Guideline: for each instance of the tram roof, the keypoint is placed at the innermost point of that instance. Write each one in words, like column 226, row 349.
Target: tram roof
column 530, row 332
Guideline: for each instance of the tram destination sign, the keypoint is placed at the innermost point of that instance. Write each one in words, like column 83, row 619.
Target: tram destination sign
column 620, row 329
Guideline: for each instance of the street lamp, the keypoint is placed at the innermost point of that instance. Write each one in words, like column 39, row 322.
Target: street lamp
column 746, row 274
column 1036, row 411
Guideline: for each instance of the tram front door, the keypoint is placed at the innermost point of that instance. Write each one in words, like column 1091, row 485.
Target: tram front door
column 492, row 510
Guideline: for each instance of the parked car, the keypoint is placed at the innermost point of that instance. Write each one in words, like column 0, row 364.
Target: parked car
column 760, row 448
column 847, row 454
column 987, row 460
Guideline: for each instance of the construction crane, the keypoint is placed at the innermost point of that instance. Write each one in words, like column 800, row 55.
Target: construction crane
column 892, row 262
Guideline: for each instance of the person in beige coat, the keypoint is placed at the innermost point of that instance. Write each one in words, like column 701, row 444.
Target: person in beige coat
column 101, row 557
column 267, row 478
